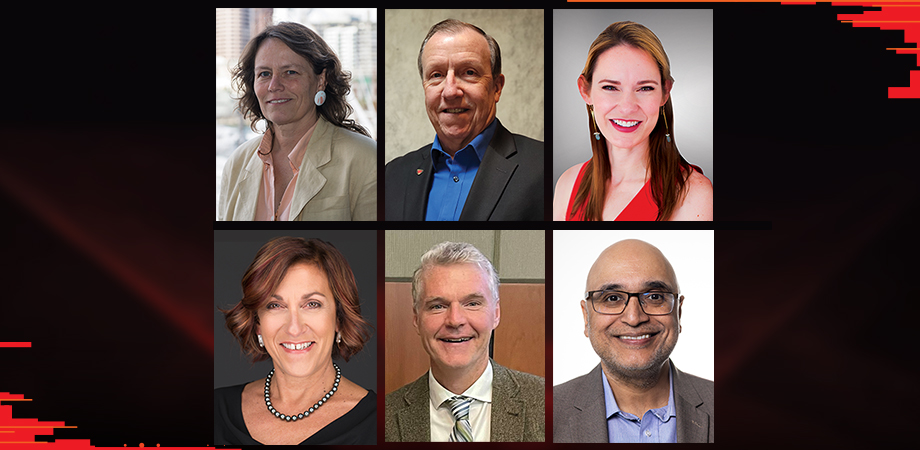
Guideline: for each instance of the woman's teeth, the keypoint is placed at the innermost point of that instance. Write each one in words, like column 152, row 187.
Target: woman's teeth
column 625, row 123
column 297, row 346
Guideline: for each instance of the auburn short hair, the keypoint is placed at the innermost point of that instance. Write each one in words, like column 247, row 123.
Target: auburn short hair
column 264, row 275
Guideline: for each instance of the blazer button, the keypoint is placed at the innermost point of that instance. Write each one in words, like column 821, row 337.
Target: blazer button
column 456, row 179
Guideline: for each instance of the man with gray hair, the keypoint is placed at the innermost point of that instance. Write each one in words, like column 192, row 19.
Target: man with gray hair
column 466, row 396
column 475, row 169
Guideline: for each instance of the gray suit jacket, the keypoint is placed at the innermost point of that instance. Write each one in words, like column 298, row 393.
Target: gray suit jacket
column 579, row 412
column 518, row 409
column 508, row 185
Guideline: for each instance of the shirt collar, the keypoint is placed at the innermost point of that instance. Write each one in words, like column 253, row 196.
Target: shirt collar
column 662, row 413
column 480, row 143
column 296, row 155
column 480, row 390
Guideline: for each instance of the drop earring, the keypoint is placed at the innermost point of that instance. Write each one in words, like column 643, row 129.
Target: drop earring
column 338, row 337
column 667, row 131
column 597, row 134
column 261, row 344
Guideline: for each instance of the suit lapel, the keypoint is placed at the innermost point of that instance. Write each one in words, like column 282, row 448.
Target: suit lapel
column 249, row 188
column 507, row 409
column 414, row 420
column 317, row 154
column 417, row 186
column 692, row 423
column 493, row 175
column 591, row 419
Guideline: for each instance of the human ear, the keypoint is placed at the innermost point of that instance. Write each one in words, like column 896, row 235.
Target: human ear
column 667, row 92
column 584, row 88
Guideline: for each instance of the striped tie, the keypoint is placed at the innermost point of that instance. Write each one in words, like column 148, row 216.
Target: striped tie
column 460, row 409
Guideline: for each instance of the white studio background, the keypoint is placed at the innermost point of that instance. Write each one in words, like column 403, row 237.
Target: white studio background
column 692, row 256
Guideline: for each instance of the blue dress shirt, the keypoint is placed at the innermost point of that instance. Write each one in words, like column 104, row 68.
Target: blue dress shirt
column 453, row 177
column 657, row 425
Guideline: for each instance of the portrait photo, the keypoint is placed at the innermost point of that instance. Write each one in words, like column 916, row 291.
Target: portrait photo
column 296, row 311
column 632, row 106
column 465, row 336
column 296, row 114
column 642, row 304
column 464, row 115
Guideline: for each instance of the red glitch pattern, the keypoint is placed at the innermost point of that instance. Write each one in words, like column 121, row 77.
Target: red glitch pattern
column 894, row 15
column 21, row 433
column 15, row 344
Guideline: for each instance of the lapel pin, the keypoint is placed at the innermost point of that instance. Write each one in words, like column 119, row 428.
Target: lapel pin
column 419, row 171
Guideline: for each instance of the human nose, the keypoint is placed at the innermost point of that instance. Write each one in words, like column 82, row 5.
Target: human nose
column 451, row 87
column 628, row 102
column 275, row 83
column 295, row 325
column 633, row 315
column 455, row 316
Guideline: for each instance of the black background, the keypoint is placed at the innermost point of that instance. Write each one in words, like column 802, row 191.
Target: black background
column 107, row 194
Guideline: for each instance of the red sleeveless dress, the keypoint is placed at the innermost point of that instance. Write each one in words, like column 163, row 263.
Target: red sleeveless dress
column 641, row 208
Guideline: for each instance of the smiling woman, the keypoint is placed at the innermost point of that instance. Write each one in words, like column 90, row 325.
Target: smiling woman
column 315, row 162
column 300, row 308
column 636, row 171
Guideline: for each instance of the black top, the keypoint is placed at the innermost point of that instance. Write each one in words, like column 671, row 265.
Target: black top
column 358, row 426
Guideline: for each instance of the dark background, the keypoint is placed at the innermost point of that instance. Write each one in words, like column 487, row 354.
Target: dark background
column 106, row 196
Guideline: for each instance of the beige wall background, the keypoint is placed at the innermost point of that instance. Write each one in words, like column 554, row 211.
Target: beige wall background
column 519, row 34
column 518, row 255
column 520, row 339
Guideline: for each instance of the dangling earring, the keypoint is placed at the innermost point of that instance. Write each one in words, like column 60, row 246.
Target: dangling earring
column 667, row 132
column 319, row 98
column 597, row 134
column 338, row 337
column 261, row 344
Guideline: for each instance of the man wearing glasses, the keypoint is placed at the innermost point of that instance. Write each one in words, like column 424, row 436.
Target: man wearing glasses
column 632, row 309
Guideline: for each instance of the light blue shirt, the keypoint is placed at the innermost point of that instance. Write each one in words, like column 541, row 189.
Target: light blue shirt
column 657, row 425
column 453, row 177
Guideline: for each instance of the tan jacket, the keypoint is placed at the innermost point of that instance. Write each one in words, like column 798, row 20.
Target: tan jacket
column 518, row 409
column 337, row 181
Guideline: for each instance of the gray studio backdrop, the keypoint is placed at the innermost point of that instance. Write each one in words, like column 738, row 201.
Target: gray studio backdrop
column 687, row 39
column 520, row 34
column 234, row 251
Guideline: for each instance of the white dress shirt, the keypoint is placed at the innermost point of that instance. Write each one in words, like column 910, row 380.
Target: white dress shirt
column 442, row 421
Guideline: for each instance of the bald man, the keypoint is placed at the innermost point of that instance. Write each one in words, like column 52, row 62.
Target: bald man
column 632, row 309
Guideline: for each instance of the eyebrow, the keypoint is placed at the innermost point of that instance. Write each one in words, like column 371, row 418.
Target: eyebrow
column 618, row 83
column 302, row 297
column 474, row 296
column 286, row 66
column 648, row 286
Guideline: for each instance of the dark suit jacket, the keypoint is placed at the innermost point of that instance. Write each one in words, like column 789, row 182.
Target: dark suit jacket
column 579, row 412
column 508, row 185
column 518, row 409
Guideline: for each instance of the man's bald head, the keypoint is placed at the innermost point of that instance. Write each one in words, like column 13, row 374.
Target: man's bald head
column 633, row 261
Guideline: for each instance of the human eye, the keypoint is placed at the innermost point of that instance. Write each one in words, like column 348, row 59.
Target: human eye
column 654, row 297
column 647, row 88
column 272, row 305
column 612, row 296
column 474, row 304
column 436, row 306
column 610, row 88
column 263, row 74
column 313, row 304
column 291, row 72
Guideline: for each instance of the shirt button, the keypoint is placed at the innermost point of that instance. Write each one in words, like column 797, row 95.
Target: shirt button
column 648, row 433
column 456, row 179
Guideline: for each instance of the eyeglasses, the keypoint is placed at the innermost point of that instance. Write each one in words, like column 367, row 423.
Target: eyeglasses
column 614, row 302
